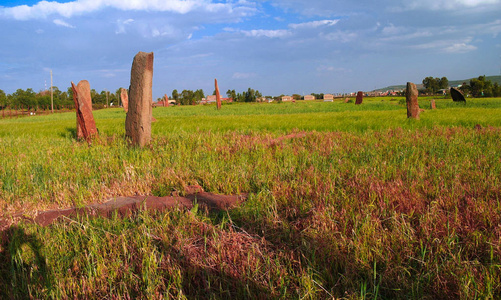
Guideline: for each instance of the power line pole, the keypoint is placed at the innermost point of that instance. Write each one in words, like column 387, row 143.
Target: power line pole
column 51, row 93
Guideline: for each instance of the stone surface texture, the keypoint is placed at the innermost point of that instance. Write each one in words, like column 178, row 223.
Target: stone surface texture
column 218, row 96
column 124, row 97
column 360, row 98
column 139, row 116
column 456, row 95
column 411, row 97
column 86, row 126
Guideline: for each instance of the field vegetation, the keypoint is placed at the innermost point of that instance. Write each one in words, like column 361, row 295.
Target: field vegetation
column 344, row 201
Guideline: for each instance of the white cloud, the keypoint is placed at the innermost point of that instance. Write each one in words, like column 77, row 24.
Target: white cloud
column 280, row 33
column 313, row 24
column 239, row 75
column 448, row 4
column 60, row 22
column 448, row 46
column 121, row 25
column 340, row 36
column 44, row 9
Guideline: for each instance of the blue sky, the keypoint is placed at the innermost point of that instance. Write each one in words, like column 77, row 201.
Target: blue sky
column 277, row 47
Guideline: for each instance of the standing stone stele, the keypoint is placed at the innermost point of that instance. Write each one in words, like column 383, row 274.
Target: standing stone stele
column 432, row 104
column 139, row 116
column 411, row 96
column 86, row 126
column 360, row 98
column 124, row 97
column 456, row 95
column 218, row 96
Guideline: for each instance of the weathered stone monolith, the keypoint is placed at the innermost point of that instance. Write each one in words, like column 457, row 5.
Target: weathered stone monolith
column 138, row 120
column 166, row 100
column 432, row 104
column 411, row 96
column 86, row 126
column 124, row 97
column 360, row 98
column 456, row 95
column 218, row 96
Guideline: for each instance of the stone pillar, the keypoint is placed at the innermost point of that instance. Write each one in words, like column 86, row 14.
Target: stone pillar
column 124, row 97
column 411, row 96
column 139, row 116
column 166, row 100
column 360, row 98
column 86, row 126
column 432, row 104
column 218, row 96
column 456, row 95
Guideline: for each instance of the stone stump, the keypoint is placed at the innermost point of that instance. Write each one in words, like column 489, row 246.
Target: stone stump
column 411, row 97
column 218, row 96
column 346, row 100
column 360, row 98
column 139, row 115
column 456, row 95
column 86, row 126
column 124, row 97
column 432, row 104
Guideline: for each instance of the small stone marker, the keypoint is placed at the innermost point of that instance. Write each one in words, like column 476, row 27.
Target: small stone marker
column 432, row 104
column 86, row 126
column 139, row 116
column 166, row 100
column 411, row 96
column 360, row 98
column 218, row 96
column 124, row 97
column 457, row 96
column 346, row 100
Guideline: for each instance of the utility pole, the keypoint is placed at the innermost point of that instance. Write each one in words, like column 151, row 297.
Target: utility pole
column 51, row 93
column 107, row 102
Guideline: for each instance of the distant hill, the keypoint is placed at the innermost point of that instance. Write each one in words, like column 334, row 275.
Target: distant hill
column 493, row 79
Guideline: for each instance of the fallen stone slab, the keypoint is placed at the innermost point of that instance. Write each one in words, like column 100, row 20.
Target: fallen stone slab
column 126, row 206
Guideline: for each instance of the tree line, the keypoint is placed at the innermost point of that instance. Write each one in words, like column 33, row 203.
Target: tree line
column 190, row 97
column 42, row 100
column 477, row 87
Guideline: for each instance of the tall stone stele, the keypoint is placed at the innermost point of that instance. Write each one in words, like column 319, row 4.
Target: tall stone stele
column 124, row 97
column 86, row 126
column 411, row 96
column 218, row 96
column 360, row 98
column 138, row 120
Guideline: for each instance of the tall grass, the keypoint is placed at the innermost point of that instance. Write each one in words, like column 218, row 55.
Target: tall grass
column 353, row 203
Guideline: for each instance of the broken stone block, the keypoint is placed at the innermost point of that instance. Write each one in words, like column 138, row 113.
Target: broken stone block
column 139, row 115
column 432, row 104
column 218, row 96
column 86, row 126
column 124, row 97
column 411, row 97
column 456, row 95
column 360, row 98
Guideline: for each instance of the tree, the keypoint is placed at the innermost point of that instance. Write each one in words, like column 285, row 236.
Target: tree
column 175, row 95
column 231, row 94
column 3, row 99
column 443, row 83
column 25, row 98
column 431, row 84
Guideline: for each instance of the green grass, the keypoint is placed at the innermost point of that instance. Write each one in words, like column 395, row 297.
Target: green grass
column 359, row 202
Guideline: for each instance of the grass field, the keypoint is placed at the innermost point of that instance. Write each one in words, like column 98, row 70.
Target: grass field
column 344, row 201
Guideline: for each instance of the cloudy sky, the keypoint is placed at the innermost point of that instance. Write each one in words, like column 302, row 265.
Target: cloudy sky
column 276, row 46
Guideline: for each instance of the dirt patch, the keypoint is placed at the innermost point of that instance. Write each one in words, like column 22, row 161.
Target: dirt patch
column 126, row 206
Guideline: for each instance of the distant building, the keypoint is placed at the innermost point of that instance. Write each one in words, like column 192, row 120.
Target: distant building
column 309, row 97
column 287, row 98
column 328, row 97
